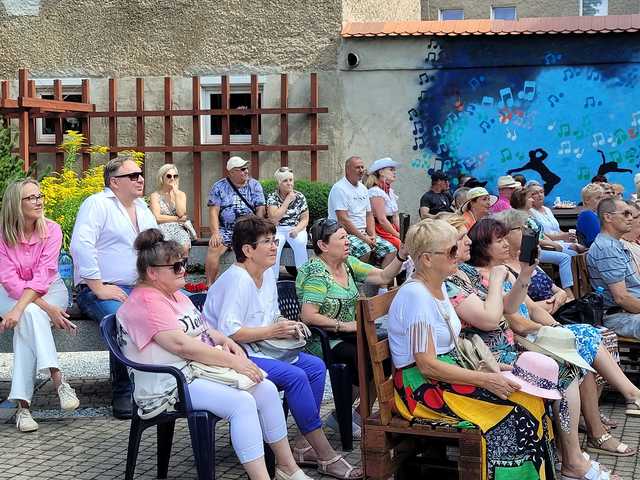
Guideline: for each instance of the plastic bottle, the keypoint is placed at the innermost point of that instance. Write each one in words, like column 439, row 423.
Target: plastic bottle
column 65, row 269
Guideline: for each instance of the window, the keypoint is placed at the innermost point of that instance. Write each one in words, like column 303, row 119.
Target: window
column 239, row 97
column 594, row 8
column 503, row 13
column 451, row 14
column 71, row 92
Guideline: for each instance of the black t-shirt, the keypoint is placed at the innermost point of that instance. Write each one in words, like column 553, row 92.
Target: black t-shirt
column 437, row 202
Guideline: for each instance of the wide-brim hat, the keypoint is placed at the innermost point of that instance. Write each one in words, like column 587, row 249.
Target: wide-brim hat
column 536, row 374
column 381, row 163
column 507, row 181
column 478, row 192
column 559, row 343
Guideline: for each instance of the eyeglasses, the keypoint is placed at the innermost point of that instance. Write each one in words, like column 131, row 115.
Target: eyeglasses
column 452, row 253
column 177, row 266
column 33, row 199
column 169, row 176
column 267, row 241
column 625, row 213
column 134, row 177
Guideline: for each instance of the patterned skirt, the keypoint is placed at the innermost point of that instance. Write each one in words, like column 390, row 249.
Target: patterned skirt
column 516, row 433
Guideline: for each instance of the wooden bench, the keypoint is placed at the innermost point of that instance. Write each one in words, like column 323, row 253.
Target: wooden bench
column 388, row 440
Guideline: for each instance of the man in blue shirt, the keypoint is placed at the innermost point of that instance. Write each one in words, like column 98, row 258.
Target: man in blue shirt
column 611, row 266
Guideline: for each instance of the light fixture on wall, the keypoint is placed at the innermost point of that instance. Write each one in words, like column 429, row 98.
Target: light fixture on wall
column 352, row 60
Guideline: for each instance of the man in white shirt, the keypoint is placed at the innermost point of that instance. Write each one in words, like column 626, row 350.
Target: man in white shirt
column 104, row 259
column 349, row 205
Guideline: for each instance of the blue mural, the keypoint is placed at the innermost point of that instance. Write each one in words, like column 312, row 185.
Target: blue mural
column 554, row 122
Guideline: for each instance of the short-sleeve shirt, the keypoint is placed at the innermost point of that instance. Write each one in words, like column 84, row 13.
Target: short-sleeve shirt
column 390, row 199
column 316, row 285
column 234, row 301
column 437, row 202
column 609, row 261
column 415, row 319
column 145, row 313
column 231, row 205
column 291, row 218
column 354, row 199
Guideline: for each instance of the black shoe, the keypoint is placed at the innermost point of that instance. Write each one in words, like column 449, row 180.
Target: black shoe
column 122, row 407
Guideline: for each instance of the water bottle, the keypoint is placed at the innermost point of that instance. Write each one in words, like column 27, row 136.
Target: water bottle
column 65, row 269
column 599, row 305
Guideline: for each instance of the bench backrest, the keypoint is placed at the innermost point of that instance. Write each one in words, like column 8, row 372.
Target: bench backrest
column 581, row 283
column 376, row 352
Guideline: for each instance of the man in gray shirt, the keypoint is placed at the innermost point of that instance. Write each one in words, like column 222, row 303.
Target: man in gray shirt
column 611, row 266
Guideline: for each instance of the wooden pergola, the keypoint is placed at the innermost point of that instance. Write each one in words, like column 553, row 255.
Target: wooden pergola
column 27, row 107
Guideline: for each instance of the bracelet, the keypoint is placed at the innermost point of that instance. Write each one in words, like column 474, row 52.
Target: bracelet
column 400, row 258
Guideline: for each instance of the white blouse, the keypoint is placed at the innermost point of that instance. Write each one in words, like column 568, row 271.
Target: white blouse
column 390, row 199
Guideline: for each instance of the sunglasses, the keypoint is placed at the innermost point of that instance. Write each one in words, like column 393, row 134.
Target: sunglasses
column 267, row 241
column 33, row 199
column 134, row 177
column 324, row 227
column 168, row 176
column 178, row 266
column 452, row 253
column 284, row 169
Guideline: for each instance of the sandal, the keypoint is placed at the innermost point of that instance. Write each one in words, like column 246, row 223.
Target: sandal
column 633, row 408
column 301, row 460
column 594, row 473
column 608, row 423
column 323, row 464
column 621, row 450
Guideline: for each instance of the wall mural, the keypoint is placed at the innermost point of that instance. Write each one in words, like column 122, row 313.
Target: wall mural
column 552, row 122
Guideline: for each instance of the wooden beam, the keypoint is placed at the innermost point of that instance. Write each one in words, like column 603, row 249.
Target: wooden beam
column 197, row 158
column 85, row 125
column 235, row 147
column 313, row 126
column 168, row 120
column 226, row 123
column 23, row 142
column 284, row 119
column 139, row 118
column 113, row 120
column 58, row 134
column 255, row 133
column 54, row 105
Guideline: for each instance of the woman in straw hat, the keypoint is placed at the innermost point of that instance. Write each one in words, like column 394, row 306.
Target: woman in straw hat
column 431, row 385
column 477, row 205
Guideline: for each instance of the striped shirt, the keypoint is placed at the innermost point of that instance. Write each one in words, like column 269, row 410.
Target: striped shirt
column 609, row 261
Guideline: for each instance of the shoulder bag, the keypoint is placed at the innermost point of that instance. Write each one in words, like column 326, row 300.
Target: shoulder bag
column 244, row 200
column 225, row 375
column 283, row 349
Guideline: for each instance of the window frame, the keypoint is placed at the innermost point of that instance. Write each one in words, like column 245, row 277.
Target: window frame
column 515, row 12
column 44, row 86
column 441, row 10
column 212, row 85
column 581, row 12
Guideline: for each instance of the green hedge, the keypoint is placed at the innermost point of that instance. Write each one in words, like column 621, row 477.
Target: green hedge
column 317, row 194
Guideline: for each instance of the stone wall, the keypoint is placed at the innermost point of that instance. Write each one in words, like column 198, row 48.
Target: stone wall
column 380, row 11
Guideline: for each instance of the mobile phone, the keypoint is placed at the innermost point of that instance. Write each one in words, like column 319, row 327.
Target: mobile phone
column 529, row 246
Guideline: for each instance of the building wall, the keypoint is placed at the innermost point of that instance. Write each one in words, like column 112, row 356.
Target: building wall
column 485, row 105
column 152, row 37
column 524, row 8
column 377, row 11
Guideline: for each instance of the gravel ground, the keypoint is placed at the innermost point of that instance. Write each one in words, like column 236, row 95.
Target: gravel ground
column 73, row 364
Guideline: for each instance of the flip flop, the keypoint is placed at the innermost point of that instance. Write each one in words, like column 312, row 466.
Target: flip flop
column 622, row 450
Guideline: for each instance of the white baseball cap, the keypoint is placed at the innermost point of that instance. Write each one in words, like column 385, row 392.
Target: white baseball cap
column 236, row 162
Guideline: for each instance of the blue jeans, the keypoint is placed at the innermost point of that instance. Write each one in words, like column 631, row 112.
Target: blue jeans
column 563, row 260
column 303, row 385
column 96, row 310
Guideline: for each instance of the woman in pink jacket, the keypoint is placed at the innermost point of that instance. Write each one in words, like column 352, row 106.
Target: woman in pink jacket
column 32, row 296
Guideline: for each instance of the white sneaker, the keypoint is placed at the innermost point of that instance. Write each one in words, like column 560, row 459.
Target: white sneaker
column 24, row 421
column 68, row 399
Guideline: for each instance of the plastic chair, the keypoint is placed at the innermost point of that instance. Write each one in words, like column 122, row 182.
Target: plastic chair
column 198, row 300
column 340, row 374
column 201, row 422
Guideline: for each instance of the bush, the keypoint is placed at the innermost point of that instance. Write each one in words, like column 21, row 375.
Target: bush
column 317, row 194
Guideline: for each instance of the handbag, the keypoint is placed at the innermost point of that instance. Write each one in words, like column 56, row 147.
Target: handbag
column 588, row 309
column 283, row 349
column 188, row 226
column 225, row 375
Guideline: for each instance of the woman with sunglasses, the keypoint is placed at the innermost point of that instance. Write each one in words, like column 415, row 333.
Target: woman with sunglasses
column 33, row 297
column 288, row 209
column 169, row 205
column 159, row 325
column 243, row 304
column 327, row 287
column 430, row 382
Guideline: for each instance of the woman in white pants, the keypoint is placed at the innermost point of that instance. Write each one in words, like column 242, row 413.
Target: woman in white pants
column 288, row 209
column 32, row 296
column 159, row 325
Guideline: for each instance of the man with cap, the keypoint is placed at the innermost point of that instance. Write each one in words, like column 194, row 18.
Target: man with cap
column 438, row 199
column 506, row 186
column 349, row 205
column 230, row 198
